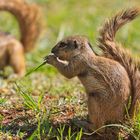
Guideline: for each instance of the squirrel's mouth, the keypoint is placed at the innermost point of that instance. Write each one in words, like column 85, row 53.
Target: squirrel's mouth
column 62, row 61
column 58, row 57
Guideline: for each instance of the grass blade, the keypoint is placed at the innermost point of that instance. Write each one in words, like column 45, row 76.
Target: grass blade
column 35, row 69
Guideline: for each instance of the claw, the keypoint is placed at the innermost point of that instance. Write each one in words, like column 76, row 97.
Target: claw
column 45, row 58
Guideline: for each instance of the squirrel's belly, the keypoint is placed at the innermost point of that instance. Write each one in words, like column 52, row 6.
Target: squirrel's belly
column 116, row 85
column 91, row 84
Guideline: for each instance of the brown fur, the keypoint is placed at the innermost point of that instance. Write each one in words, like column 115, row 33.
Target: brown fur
column 113, row 50
column 12, row 50
column 106, row 81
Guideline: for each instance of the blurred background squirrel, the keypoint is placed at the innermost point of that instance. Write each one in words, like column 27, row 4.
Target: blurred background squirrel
column 12, row 50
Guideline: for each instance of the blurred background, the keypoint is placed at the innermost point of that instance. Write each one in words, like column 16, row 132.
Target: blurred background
column 70, row 17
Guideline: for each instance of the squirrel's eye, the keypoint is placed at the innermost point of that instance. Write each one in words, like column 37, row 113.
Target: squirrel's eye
column 75, row 44
column 63, row 44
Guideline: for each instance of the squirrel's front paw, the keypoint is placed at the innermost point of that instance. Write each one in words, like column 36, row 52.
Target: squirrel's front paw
column 50, row 59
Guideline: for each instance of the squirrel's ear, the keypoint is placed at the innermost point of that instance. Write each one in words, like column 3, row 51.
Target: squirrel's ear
column 75, row 44
column 92, row 48
column 90, row 45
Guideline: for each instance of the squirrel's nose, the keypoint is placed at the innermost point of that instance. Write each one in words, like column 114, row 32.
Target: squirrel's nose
column 53, row 50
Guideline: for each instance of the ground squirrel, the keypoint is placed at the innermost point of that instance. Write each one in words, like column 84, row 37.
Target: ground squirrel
column 109, row 79
column 12, row 51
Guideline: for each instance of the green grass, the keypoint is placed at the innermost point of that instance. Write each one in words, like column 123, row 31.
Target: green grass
column 45, row 105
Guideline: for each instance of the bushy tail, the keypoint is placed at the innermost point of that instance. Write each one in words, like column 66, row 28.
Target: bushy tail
column 28, row 18
column 113, row 50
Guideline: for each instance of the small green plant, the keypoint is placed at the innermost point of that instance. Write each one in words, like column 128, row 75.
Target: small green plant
column 79, row 134
column 2, row 101
column 28, row 99
column 70, row 135
column 60, row 132
column 43, row 130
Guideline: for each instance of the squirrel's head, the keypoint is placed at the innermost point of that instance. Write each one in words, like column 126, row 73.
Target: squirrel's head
column 71, row 46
